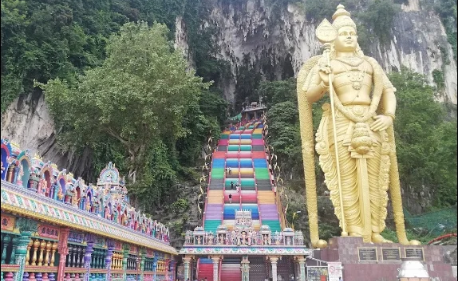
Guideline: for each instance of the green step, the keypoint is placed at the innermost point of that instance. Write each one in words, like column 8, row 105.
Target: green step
column 224, row 136
column 256, row 136
column 245, row 147
column 217, row 173
column 273, row 224
column 242, row 128
column 212, row 225
column 244, row 182
column 261, row 173
column 251, row 127
column 233, row 147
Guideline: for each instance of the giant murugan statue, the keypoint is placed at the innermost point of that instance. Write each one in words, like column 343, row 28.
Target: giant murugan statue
column 355, row 139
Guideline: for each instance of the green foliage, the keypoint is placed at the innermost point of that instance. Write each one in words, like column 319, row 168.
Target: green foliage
column 43, row 40
column 426, row 142
column 447, row 12
column 423, row 237
column 141, row 103
column 438, row 78
column 374, row 19
column 180, row 206
column 378, row 18
column 202, row 45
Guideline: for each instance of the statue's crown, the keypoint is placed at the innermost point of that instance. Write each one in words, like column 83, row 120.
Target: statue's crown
column 341, row 18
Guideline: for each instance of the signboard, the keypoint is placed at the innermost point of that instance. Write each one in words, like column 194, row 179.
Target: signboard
column 391, row 254
column 317, row 273
column 335, row 271
column 367, row 254
column 414, row 253
column 48, row 231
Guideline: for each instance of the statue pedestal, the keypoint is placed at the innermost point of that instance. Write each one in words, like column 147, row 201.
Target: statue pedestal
column 381, row 261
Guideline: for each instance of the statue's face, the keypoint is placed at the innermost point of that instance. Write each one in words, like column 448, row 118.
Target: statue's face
column 346, row 40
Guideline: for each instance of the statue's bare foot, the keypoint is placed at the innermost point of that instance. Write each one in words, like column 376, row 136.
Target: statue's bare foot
column 320, row 244
column 414, row 242
column 354, row 234
column 377, row 238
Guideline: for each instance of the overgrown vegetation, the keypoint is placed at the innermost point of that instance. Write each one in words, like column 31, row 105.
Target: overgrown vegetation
column 144, row 102
column 447, row 10
column 42, row 40
column 374, row 19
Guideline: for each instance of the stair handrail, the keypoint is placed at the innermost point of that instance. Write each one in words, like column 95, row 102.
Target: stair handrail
column 208, row 186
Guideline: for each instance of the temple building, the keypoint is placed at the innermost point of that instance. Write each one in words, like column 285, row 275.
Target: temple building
column 56, row 227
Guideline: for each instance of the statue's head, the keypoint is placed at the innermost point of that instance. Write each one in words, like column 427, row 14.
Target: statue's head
column 347, row 39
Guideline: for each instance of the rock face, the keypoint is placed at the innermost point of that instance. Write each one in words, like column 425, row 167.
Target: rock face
column 276, row 42
column 28, row 122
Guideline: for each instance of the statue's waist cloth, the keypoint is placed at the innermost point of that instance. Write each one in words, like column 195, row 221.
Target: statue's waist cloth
column 364, row 164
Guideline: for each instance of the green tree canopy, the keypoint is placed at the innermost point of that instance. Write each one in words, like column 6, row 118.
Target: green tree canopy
column 140, row 97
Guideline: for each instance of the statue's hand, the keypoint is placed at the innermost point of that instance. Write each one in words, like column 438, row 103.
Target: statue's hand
column 382, row 122
column 324, row 72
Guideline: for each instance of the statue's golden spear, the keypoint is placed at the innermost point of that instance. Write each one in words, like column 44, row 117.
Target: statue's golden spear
column 326, row 34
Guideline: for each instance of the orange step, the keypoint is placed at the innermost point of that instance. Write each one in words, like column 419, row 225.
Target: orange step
column 266, row 197
column 215, row 197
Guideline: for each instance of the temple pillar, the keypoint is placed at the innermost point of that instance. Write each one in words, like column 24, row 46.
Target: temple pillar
column 301, row 261
column 154, row 267
column 215, row 260
column 21, row 252
column 108, row 259
column 125, row 255
column 186, row 262
column 88, row 256
column 273, row 262
column 172, row 270
column 167, row 261
column 62, row 249
column 245, row 267
column 142, row 264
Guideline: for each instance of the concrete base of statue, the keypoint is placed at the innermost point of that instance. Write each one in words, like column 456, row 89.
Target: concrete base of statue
column 377, row 262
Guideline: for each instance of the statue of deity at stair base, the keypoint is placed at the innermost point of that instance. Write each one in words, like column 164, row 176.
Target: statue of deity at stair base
column 359, row 126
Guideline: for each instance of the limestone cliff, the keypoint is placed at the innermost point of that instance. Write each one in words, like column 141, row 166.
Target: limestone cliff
column 28, row 122
column 276, row 42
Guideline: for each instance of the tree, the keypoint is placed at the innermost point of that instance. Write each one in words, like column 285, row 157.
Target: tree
column 138, row 96
column 425, row 140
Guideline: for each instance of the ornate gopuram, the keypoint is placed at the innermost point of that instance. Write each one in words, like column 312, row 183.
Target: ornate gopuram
column 56, row 227
column 244, row 234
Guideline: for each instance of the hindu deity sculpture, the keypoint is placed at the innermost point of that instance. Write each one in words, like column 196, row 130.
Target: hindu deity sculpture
column 33, row 180
column 355, row 139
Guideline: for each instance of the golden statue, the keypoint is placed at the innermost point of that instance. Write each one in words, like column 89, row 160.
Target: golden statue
column 359, row 120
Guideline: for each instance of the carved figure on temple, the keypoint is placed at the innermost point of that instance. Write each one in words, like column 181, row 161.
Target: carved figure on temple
column 355, row 139
column 33, row 180
column 210, row 238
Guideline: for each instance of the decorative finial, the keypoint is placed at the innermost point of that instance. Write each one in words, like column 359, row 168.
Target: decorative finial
column 341, row 18
column 37, row 157
column 340, row 12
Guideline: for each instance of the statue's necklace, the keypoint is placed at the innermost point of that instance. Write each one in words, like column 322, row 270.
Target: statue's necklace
column 354, row 74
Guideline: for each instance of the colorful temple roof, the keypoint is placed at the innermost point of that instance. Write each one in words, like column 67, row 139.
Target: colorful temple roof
column 38, row 189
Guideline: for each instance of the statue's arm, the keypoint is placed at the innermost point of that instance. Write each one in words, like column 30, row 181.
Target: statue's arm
column 388, row 97
column 388, row 107
column 389, row 102
column 314, row 88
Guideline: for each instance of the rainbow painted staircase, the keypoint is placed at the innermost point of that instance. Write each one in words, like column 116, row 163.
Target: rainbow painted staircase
column 239, row 158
